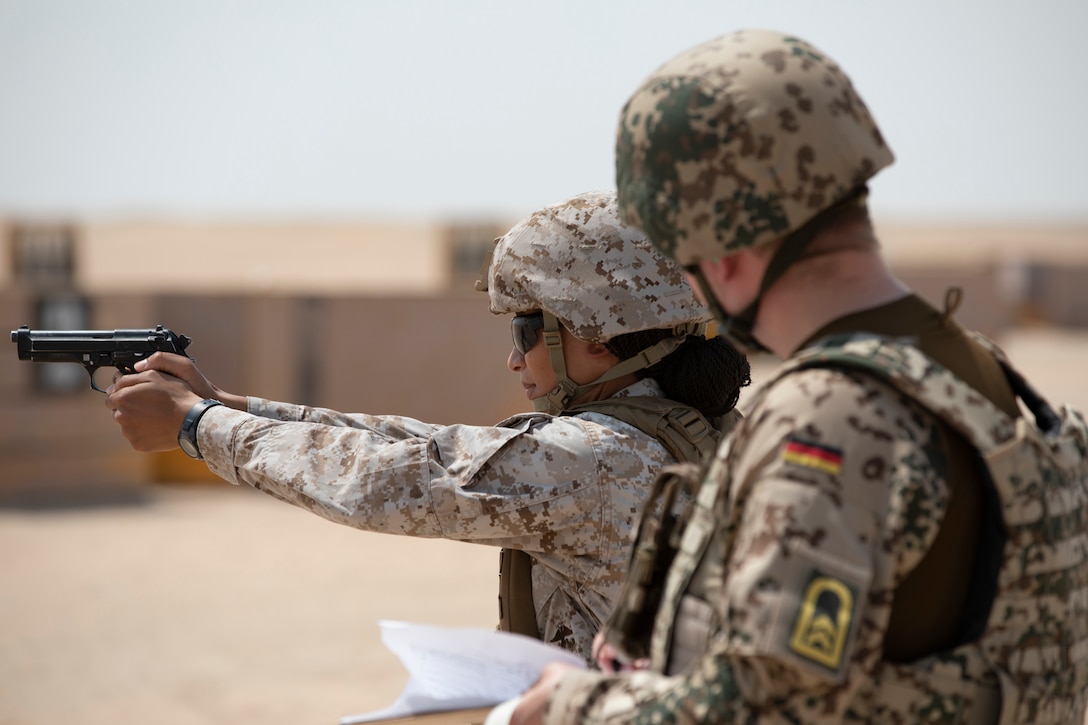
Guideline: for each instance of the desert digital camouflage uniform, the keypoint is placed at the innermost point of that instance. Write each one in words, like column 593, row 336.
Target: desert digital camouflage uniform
column 834, row 487
column 533, row 482
column 566, row 489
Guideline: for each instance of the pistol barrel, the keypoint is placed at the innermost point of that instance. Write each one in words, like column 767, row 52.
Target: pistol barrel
column 95, row 347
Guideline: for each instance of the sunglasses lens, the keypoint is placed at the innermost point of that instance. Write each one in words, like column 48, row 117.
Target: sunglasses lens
column 525, row 340
column 523, row 328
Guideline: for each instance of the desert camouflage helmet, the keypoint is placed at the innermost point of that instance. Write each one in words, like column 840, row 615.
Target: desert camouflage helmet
column 576, row 262
column 739, row 141
column 599, row 277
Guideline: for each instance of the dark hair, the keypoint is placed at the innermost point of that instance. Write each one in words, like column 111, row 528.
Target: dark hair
column 705, row 373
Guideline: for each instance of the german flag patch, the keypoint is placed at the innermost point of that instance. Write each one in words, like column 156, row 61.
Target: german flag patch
column 813, row 455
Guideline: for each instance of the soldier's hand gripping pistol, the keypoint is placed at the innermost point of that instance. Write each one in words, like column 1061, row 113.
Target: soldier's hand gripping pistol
column 96, row 349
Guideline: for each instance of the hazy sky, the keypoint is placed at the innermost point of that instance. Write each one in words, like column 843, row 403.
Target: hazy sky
column 347, row 108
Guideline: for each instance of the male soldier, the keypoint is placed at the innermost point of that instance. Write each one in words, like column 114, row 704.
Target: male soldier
column 850, row 557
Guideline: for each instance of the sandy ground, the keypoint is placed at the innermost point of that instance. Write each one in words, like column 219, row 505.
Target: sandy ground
column 196, row 604
column 181, row 605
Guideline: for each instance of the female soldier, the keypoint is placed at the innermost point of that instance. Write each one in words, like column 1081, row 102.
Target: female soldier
column 607, row 343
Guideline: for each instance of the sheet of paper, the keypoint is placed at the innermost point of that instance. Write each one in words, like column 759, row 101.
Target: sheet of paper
column 454, row 668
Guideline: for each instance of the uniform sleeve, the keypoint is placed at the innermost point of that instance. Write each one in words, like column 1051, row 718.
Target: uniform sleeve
column 836, row 492
column 535, row 483
column 388, row 425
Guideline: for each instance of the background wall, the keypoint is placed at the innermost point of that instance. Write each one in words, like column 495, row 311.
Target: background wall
column 441, row 360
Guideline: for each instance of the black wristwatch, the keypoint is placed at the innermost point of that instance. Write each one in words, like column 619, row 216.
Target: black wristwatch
column 187, row 434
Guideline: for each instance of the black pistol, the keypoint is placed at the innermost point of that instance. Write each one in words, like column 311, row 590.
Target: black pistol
column 94, row 349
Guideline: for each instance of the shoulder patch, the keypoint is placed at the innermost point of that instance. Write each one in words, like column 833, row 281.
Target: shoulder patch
column 822, row 622
column 812, row 455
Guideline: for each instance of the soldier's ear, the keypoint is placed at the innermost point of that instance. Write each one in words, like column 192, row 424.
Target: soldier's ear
column 720, row 270
column 597, row 349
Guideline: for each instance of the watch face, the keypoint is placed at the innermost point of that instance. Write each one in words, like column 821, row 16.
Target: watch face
column 188, row 447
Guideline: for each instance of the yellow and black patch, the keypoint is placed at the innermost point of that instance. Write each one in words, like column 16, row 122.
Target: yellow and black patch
column 822, row 623
column 812, row 455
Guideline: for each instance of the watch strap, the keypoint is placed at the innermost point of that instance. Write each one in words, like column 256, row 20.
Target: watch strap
column 187, row 434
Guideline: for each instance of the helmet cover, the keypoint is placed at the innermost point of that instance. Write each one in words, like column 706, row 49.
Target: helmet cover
column 739, row 141
column 601, row 278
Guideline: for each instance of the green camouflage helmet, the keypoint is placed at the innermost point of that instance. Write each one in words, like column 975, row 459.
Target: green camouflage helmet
column 740, row 141
column 599, row 277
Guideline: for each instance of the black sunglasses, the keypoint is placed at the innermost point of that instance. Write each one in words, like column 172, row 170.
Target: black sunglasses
column 523, row 328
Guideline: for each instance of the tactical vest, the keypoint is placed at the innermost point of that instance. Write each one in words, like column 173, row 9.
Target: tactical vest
column 684, row 432
column 1029, row 661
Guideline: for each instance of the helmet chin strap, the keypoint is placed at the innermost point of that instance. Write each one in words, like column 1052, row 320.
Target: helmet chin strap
column 731, row 327
column 566, row 389
column 738, row 328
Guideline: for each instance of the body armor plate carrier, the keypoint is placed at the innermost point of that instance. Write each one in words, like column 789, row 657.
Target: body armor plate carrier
column 684, row 432
column 1028, row 656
